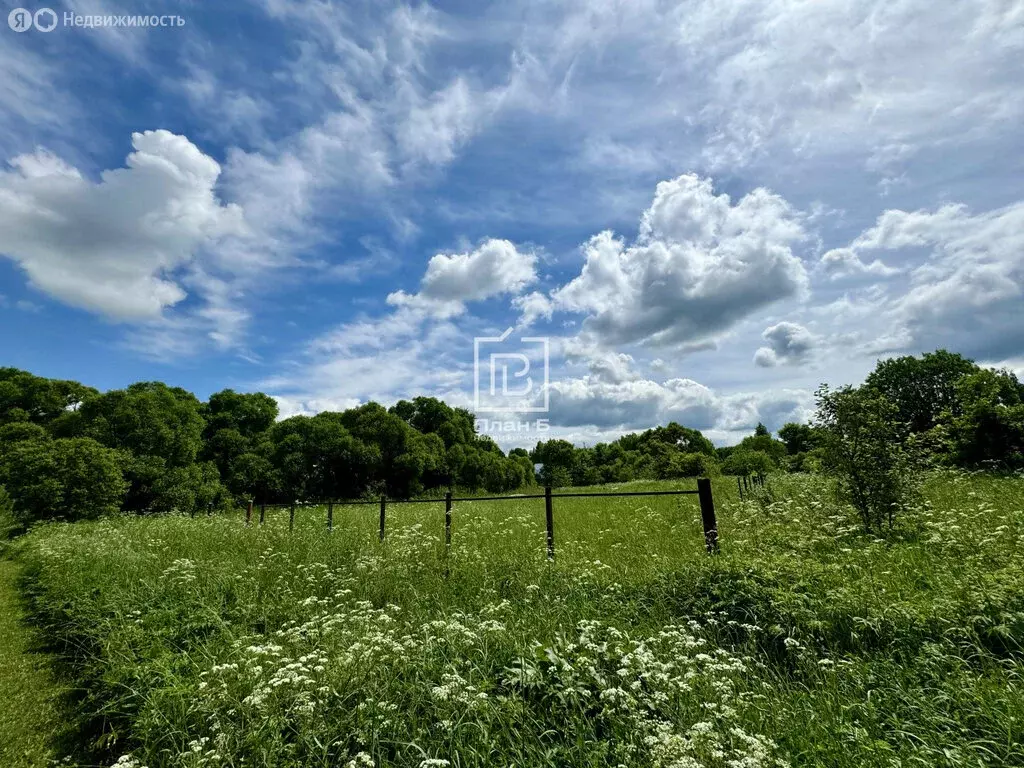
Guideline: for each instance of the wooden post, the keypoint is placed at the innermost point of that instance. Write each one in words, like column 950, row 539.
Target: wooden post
column 739, row 484
column 248, row 513
column 291, row 518
column 330, row 515
column 209, row 509
column 746, row 483
column 707, row 514
column 550, row 521
column 447, row 521
column 383, row 510
column 263, row 513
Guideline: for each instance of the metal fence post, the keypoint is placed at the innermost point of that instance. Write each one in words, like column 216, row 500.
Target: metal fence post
column 707, row 514
column 330, row 515
column 739, row 485
column 447, row 520
column 248, row 513
column 291, row 518
column 383, row 509
column 550, row 518
column 263, row 513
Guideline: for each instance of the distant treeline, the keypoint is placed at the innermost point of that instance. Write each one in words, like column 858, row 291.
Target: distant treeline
column 70, row 451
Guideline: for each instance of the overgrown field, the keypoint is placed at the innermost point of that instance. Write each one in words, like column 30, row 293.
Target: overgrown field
column 201, row 642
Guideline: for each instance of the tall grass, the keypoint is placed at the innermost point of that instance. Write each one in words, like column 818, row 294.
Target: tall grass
column 203, row 642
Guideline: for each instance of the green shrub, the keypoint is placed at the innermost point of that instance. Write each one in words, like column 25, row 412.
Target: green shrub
column 861, row 448
column 71, row 479
column 748, row 462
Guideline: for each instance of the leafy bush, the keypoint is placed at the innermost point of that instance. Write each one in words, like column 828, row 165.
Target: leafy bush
column 861, row 448
column 989, row 430
column 8, row 524
column 70, row 479
column 188, row 489
column 748, row 462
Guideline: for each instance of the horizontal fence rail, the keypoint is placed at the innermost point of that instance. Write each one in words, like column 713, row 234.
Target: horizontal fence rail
column 703, row 492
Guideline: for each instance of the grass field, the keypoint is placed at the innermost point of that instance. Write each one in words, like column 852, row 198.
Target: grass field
column 30, row 698
column 205, row 643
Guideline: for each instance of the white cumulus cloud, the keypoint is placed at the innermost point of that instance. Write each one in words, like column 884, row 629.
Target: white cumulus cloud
column 967, row 292
column 494, row 268
column 699, row 264
column 788, row 344
column 114, row 246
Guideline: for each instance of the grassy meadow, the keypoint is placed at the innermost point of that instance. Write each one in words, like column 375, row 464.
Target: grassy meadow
column 200, row 642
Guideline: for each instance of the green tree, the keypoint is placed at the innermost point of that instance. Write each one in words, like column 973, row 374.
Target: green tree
column 147, row 419
column 26, row 397
column 989, row 428
column 763, row 442
column 749, row 461
column 70, row 479
column 188, row 489
column 557, row 458
column 798, row 438
column 157, row 429
column 522, row 457
column 248, row 414
column 253, row 477
column 20, row 431
column 861, row 448
column 921, row 389
column 235, row 424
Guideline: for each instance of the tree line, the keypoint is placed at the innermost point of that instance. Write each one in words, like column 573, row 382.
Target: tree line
column 69, row 451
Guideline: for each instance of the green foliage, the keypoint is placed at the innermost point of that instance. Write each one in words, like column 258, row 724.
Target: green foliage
column 989, row 428
column 672, row 451
column 558, row 458
column 19, row 431
column 761, row 442
column 9, row 525
column 249, row 415
column 157, row 429
column 798, row 438
column 862, row 449
column 167, row 441
column 191, row 489
column 147, row 419
column 749, row 461
column 70, row 479
column 25, row 397
column 921, row 389
column 802, row 643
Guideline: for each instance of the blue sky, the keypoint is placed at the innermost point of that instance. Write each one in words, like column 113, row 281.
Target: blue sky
column 707, row 207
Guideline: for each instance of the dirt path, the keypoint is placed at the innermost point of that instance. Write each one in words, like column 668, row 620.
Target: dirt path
column 29, row 696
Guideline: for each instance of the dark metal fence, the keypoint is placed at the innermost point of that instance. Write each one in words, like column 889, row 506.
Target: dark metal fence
column 746, row 482
column 703, row 493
